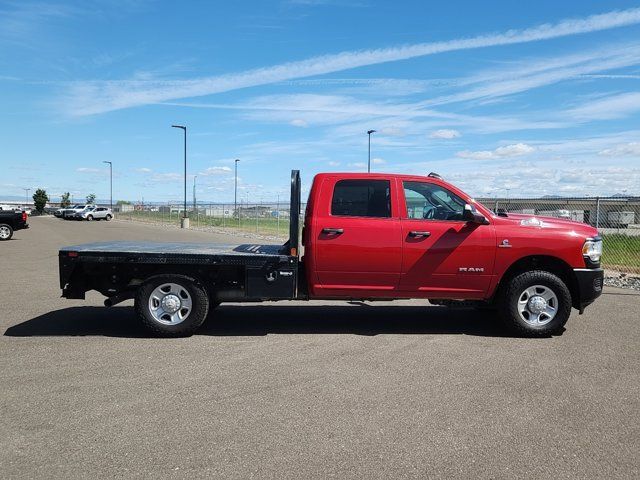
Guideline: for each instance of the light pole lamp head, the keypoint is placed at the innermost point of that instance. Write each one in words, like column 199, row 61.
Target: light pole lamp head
column 369, row 132
column 180, row 126
column 104, row 161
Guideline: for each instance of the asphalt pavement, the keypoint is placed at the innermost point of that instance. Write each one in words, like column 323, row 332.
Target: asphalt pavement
column 303, row 390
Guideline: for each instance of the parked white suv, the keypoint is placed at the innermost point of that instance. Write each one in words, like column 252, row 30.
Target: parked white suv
column 96, row 213
column 70, row 213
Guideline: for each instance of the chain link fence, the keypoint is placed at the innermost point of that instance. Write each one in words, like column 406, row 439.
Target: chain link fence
column 617, row 219
column 269, row 219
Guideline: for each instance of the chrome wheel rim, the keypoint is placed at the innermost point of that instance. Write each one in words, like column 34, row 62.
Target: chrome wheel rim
column 170, row 304
column 537, row 305
column 4, row 232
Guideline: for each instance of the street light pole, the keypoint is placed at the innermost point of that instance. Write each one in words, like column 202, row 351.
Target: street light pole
column 235, row 191
column 185, row 221
column 110, row 184
column 369, row 132
column 26, row 196
column 194, row 193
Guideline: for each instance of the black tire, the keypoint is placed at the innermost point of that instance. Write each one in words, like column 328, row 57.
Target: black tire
column 108, row 218
column 90, row 218
column 195, row 318
column 514, row 291
column 6, row 232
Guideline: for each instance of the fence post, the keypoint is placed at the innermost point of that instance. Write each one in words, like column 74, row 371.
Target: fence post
column 597, row 212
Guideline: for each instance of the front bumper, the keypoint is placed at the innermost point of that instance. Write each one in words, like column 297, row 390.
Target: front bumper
column 589, row 282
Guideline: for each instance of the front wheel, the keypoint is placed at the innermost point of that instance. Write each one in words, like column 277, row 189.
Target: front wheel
column 6, row 232
column 535, row 304
column 108, row 217
column 172, row 305
column 90, row 218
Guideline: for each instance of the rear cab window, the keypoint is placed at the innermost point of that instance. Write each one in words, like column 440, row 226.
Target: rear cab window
column 361, row 198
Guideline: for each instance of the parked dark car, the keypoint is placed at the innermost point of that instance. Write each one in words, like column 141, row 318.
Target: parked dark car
column 11, row 221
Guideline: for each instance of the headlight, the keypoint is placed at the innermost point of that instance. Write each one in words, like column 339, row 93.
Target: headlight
column 592, row 248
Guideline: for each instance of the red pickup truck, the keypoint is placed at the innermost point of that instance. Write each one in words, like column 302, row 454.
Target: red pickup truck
column 366, row 237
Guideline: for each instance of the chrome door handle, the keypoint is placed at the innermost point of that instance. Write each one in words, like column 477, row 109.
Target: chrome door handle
column 333, row 231
column 419, row 234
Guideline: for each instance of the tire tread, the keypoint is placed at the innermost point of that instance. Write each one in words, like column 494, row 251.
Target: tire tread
column 514, row 287
column 200, row 301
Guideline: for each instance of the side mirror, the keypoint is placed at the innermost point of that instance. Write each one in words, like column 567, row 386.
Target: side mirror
column 470, row 214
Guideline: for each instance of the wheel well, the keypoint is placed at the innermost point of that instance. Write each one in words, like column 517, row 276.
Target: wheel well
column 554, row 265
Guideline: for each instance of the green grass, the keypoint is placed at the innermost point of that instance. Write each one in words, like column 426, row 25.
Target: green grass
column 621, row 250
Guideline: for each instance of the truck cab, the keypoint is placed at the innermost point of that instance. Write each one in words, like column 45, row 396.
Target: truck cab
column 401, row 236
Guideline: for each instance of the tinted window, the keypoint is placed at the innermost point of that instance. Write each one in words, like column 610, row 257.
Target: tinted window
column 362, row 198
column 429, row 201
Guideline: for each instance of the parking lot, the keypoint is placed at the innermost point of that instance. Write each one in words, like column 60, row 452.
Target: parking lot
column 299, row 390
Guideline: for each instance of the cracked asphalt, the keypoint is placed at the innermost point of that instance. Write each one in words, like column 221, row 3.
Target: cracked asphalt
column 303, row 390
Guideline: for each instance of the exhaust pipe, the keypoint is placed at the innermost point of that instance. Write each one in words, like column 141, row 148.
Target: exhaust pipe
column 118, row 298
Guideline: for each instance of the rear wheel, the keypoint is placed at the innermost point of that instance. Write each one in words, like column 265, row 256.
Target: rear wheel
column 6, row 232
column 535, row 304
column 172, row 305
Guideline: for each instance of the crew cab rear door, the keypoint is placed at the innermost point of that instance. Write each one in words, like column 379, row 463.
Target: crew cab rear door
column 357, row 237
column 443, row 255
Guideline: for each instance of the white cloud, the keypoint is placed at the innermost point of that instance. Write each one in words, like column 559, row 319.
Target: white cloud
column 143, row 170
column 20, row 22
column 335, row 109
column 476, row 155
column 215, row 171
column 166, row 177
column 535, row 73
column 445, row 134
column 358, row 165
column 392, row 131
column 298, row 122
column 631, row 149
column 385, row 87
column 88, row 170
column 514, row 150
column 613, row 76
column 333, row 164
column 87, row 98
column 378, row 161
column 607, row 108
column 534, row 182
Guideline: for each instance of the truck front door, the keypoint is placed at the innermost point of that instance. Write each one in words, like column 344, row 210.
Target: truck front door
column 443, row 255
column 357, row 235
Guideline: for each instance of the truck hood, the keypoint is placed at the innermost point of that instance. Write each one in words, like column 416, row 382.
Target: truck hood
column 538, row 221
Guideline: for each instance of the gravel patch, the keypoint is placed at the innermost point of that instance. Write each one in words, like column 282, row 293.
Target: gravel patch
column 622, row 280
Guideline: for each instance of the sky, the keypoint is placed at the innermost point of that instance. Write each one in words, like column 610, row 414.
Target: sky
column 531, row 98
